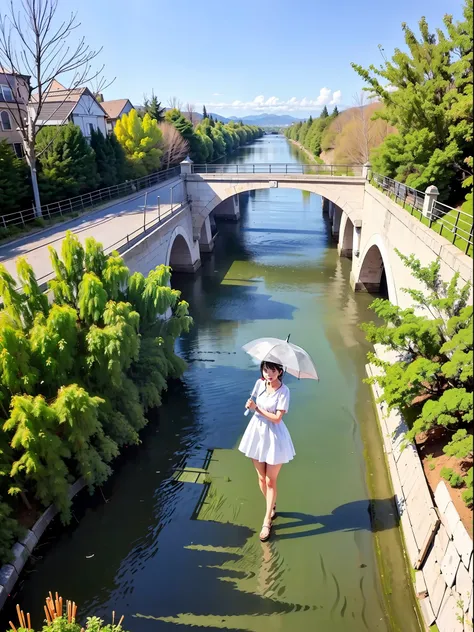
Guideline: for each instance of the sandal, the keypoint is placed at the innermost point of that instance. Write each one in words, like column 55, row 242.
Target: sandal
column 274, row 512
column 268, row 527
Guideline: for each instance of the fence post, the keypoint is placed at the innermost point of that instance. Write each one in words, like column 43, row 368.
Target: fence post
column 431, row 195
column 159, row 210
column 469, row 241
column 366, row 170
column 455, row 229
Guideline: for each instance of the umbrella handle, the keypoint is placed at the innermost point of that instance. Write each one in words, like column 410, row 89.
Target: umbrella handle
column 247, row 410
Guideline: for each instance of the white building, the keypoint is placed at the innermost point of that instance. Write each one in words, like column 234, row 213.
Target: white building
column 78, row 106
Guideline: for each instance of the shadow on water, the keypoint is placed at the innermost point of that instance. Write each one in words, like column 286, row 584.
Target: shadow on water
column 371, row 515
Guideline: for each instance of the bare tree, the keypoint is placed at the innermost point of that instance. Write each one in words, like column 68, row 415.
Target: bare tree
column 361, row 132
column 190, row 113
column 35, row 51
column 175, row 147
column 175, row 103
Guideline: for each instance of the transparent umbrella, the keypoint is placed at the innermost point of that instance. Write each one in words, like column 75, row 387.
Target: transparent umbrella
column 295, row 360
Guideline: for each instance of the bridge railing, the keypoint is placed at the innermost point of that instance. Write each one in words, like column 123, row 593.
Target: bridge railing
column 86, row 201
column 452, row 223
column 280, row 168
column 152, row 218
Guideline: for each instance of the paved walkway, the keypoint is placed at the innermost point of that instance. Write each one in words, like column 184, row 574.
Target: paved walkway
column 107, row 225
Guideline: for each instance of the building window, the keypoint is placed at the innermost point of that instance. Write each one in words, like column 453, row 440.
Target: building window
column 18, row 147
column 6, row 93
column 6, row 123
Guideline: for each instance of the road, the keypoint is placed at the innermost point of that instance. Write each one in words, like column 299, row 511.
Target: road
column 107, row 225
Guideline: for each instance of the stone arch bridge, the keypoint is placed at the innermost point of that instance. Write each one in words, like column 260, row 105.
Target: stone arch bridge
column 365, row 223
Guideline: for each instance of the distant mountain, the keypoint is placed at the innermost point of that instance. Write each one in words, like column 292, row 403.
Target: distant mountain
column 267, row 120
column 262, row 120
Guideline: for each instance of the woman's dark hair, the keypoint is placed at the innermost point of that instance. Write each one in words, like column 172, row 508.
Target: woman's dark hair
column 273, row 366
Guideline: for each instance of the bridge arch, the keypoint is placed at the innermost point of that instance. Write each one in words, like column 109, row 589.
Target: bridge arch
column 346, row 236
column 206, row 195
column 374, row 262
column 180, row 251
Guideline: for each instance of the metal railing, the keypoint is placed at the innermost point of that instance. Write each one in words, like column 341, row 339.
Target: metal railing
column 291, row 168
column 155, row 218
column 87, row 201
column 451, row 223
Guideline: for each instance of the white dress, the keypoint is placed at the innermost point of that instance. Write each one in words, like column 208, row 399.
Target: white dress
column 264, row 440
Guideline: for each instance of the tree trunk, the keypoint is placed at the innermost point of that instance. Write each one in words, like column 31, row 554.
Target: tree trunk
column 31, row 159
column 26, row 501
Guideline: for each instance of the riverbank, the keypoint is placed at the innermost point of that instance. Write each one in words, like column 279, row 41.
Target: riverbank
column 307, row 153
column 438, row 546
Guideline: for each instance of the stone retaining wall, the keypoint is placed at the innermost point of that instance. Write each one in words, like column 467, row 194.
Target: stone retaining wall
column 22, row 550
column 437, row 544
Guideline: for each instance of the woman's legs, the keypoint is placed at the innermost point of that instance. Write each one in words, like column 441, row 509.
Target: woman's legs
column 271, row 476
column 261, row 472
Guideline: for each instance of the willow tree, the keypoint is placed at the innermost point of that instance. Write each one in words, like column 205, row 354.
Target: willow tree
column 77, row 376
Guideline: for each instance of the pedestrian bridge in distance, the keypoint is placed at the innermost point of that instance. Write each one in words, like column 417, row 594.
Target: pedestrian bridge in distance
column 366, row 224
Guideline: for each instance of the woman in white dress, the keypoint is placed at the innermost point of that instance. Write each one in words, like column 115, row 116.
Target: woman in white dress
column 267, row 440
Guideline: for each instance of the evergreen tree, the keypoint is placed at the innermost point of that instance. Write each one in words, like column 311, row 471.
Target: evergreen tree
column 430, row 104
column 104, row 159
column 67, row 162
column 324, row 113
column 204, row 112
column 13, row 180
column 184, row 126
column 122, row 168
column 432, row 383
column 335, row 112
column 154, row 108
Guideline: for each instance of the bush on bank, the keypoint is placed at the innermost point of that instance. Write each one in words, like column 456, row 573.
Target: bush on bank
column 431, row 383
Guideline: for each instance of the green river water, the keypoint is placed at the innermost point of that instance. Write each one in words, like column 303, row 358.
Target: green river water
column 172, row 541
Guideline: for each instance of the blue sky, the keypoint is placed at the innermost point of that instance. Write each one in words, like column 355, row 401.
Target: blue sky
column 259, row 53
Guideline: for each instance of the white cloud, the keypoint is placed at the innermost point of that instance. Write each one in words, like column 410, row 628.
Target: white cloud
column 275, row 104
column 272, row 101
column 217, row 94
column 324, row 96
column 336, row 98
